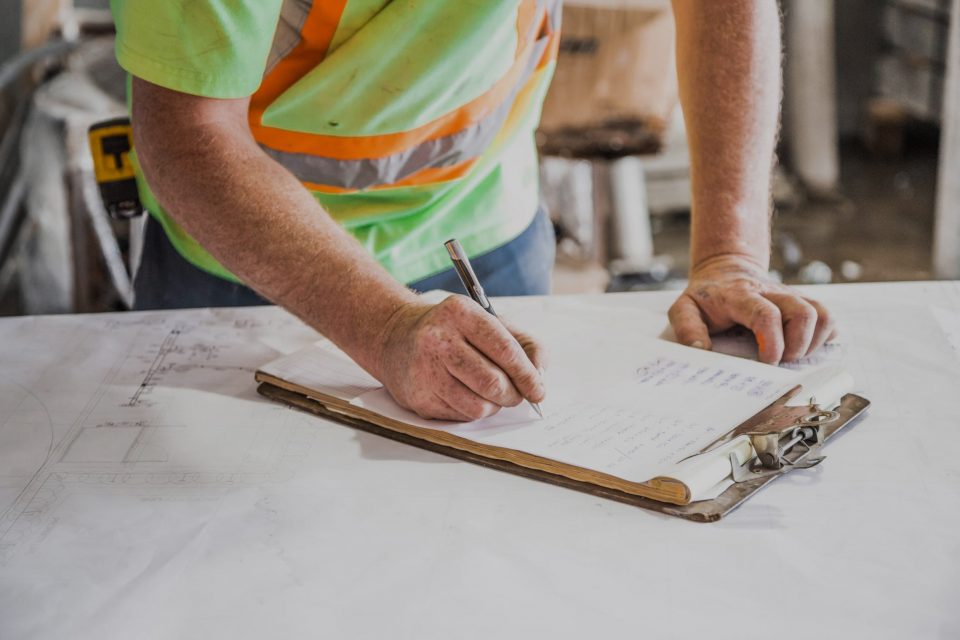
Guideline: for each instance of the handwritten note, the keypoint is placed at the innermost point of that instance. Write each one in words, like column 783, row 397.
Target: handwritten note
column 662, row 371
column 616, row 440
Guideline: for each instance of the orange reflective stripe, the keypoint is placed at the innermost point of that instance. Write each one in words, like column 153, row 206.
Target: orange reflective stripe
column 433, row 175
column 315, row 37
column 550, row 53
column 361, row 147
column 430, row 175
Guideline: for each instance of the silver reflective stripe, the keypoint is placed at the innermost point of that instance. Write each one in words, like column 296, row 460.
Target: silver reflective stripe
column 442, row 152
column 554, row 13
column 293, row 13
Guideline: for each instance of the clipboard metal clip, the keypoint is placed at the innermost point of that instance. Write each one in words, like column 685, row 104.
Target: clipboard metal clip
column 780, row 450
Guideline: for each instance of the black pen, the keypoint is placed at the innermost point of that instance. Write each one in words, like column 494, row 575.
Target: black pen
column 461, row 263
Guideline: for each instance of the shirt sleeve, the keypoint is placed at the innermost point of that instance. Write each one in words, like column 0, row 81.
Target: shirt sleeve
column 209, row 48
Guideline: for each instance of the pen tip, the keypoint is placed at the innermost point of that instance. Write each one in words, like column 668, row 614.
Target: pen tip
column 536, row 407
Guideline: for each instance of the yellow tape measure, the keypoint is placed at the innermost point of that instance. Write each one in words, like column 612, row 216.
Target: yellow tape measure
column 111, row 142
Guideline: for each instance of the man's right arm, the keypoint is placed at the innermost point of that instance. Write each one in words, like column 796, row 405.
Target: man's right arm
column 450, row 361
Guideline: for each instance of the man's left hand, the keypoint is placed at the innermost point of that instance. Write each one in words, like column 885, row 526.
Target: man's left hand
column 730, row 290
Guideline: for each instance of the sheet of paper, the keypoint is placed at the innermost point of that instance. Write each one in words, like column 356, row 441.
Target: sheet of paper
column 147, row 491
column 949, row 321
column 617, row 401
column 325, row 368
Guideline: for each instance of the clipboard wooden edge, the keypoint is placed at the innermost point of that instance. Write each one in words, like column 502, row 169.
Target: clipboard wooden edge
column 851, row 408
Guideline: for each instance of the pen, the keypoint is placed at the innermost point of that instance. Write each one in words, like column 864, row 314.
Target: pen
column 475, row 290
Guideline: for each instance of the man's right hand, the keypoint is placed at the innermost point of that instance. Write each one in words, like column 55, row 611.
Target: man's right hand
column 455, row 361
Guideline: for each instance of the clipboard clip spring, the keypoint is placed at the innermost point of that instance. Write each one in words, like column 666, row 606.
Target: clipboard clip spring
column 779, row 451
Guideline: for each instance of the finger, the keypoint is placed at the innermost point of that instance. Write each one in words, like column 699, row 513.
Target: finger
column 762, row 317
column 687, row 322
column 536, row 352
column 799, row 323
column 430, row 406
column 481, row 376
column 492, row 339
column 441, row 410
column 826, row 328
column 446, row 412
column 464, row 401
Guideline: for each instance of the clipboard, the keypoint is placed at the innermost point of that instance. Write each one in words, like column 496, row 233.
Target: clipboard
column 788, row 435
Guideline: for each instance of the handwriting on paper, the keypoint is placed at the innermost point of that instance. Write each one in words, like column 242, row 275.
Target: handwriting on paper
column 621, row 441
column 663, row 371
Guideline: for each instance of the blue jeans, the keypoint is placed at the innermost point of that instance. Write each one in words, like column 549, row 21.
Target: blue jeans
column 165, row 280
column 522, row 267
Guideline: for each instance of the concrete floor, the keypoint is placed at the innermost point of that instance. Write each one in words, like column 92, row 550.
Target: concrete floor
column 886, row 222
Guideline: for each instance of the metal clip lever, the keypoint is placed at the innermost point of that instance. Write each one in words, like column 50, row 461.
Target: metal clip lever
column 753, row 468
column 796, row 447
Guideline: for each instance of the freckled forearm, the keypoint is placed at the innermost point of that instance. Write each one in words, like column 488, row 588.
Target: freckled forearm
column 262, row 225
column 728, row 58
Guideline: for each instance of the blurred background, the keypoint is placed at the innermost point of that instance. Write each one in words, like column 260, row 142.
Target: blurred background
column 868, row 186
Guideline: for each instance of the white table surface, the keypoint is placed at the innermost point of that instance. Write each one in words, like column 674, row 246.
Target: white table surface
column 146, row 491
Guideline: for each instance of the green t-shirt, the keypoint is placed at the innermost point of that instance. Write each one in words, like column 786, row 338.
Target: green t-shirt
column 410, row 121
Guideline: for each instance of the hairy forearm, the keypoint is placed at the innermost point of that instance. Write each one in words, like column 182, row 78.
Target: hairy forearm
column 262, row 225
column 728, row 60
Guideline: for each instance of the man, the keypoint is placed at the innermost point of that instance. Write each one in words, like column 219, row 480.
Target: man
column 321, row 152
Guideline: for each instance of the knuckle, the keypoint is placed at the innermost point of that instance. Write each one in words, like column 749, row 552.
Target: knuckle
column 530, row 387
column 476, row 409
column 526, row 379
column 506, row 351
column 491, row 385
column 455, row 305
column 512, row 400
column 766, row 315
column 805, row 313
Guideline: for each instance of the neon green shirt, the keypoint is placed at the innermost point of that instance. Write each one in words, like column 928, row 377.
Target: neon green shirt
column 410, row 121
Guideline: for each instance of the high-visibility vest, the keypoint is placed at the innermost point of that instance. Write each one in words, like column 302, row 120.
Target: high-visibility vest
column 444, row 148
column 388, row 109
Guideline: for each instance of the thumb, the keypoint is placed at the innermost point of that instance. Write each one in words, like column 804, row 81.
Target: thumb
column 687, row 321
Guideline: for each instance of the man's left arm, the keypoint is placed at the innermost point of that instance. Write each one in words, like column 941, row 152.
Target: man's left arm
column 729, row 69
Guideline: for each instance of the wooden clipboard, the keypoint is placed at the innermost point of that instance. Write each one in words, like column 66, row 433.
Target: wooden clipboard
column 777, row 414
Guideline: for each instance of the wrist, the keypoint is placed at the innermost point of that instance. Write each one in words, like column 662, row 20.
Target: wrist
column 743, row 260
column 387, row 331
column 365, row 321
column 731, row 229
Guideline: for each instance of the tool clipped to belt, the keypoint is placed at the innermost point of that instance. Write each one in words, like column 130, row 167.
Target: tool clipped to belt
column 111, row 142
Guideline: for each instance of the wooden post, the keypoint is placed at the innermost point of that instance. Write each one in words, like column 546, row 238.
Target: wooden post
column 946, row 235
column 811, row 91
